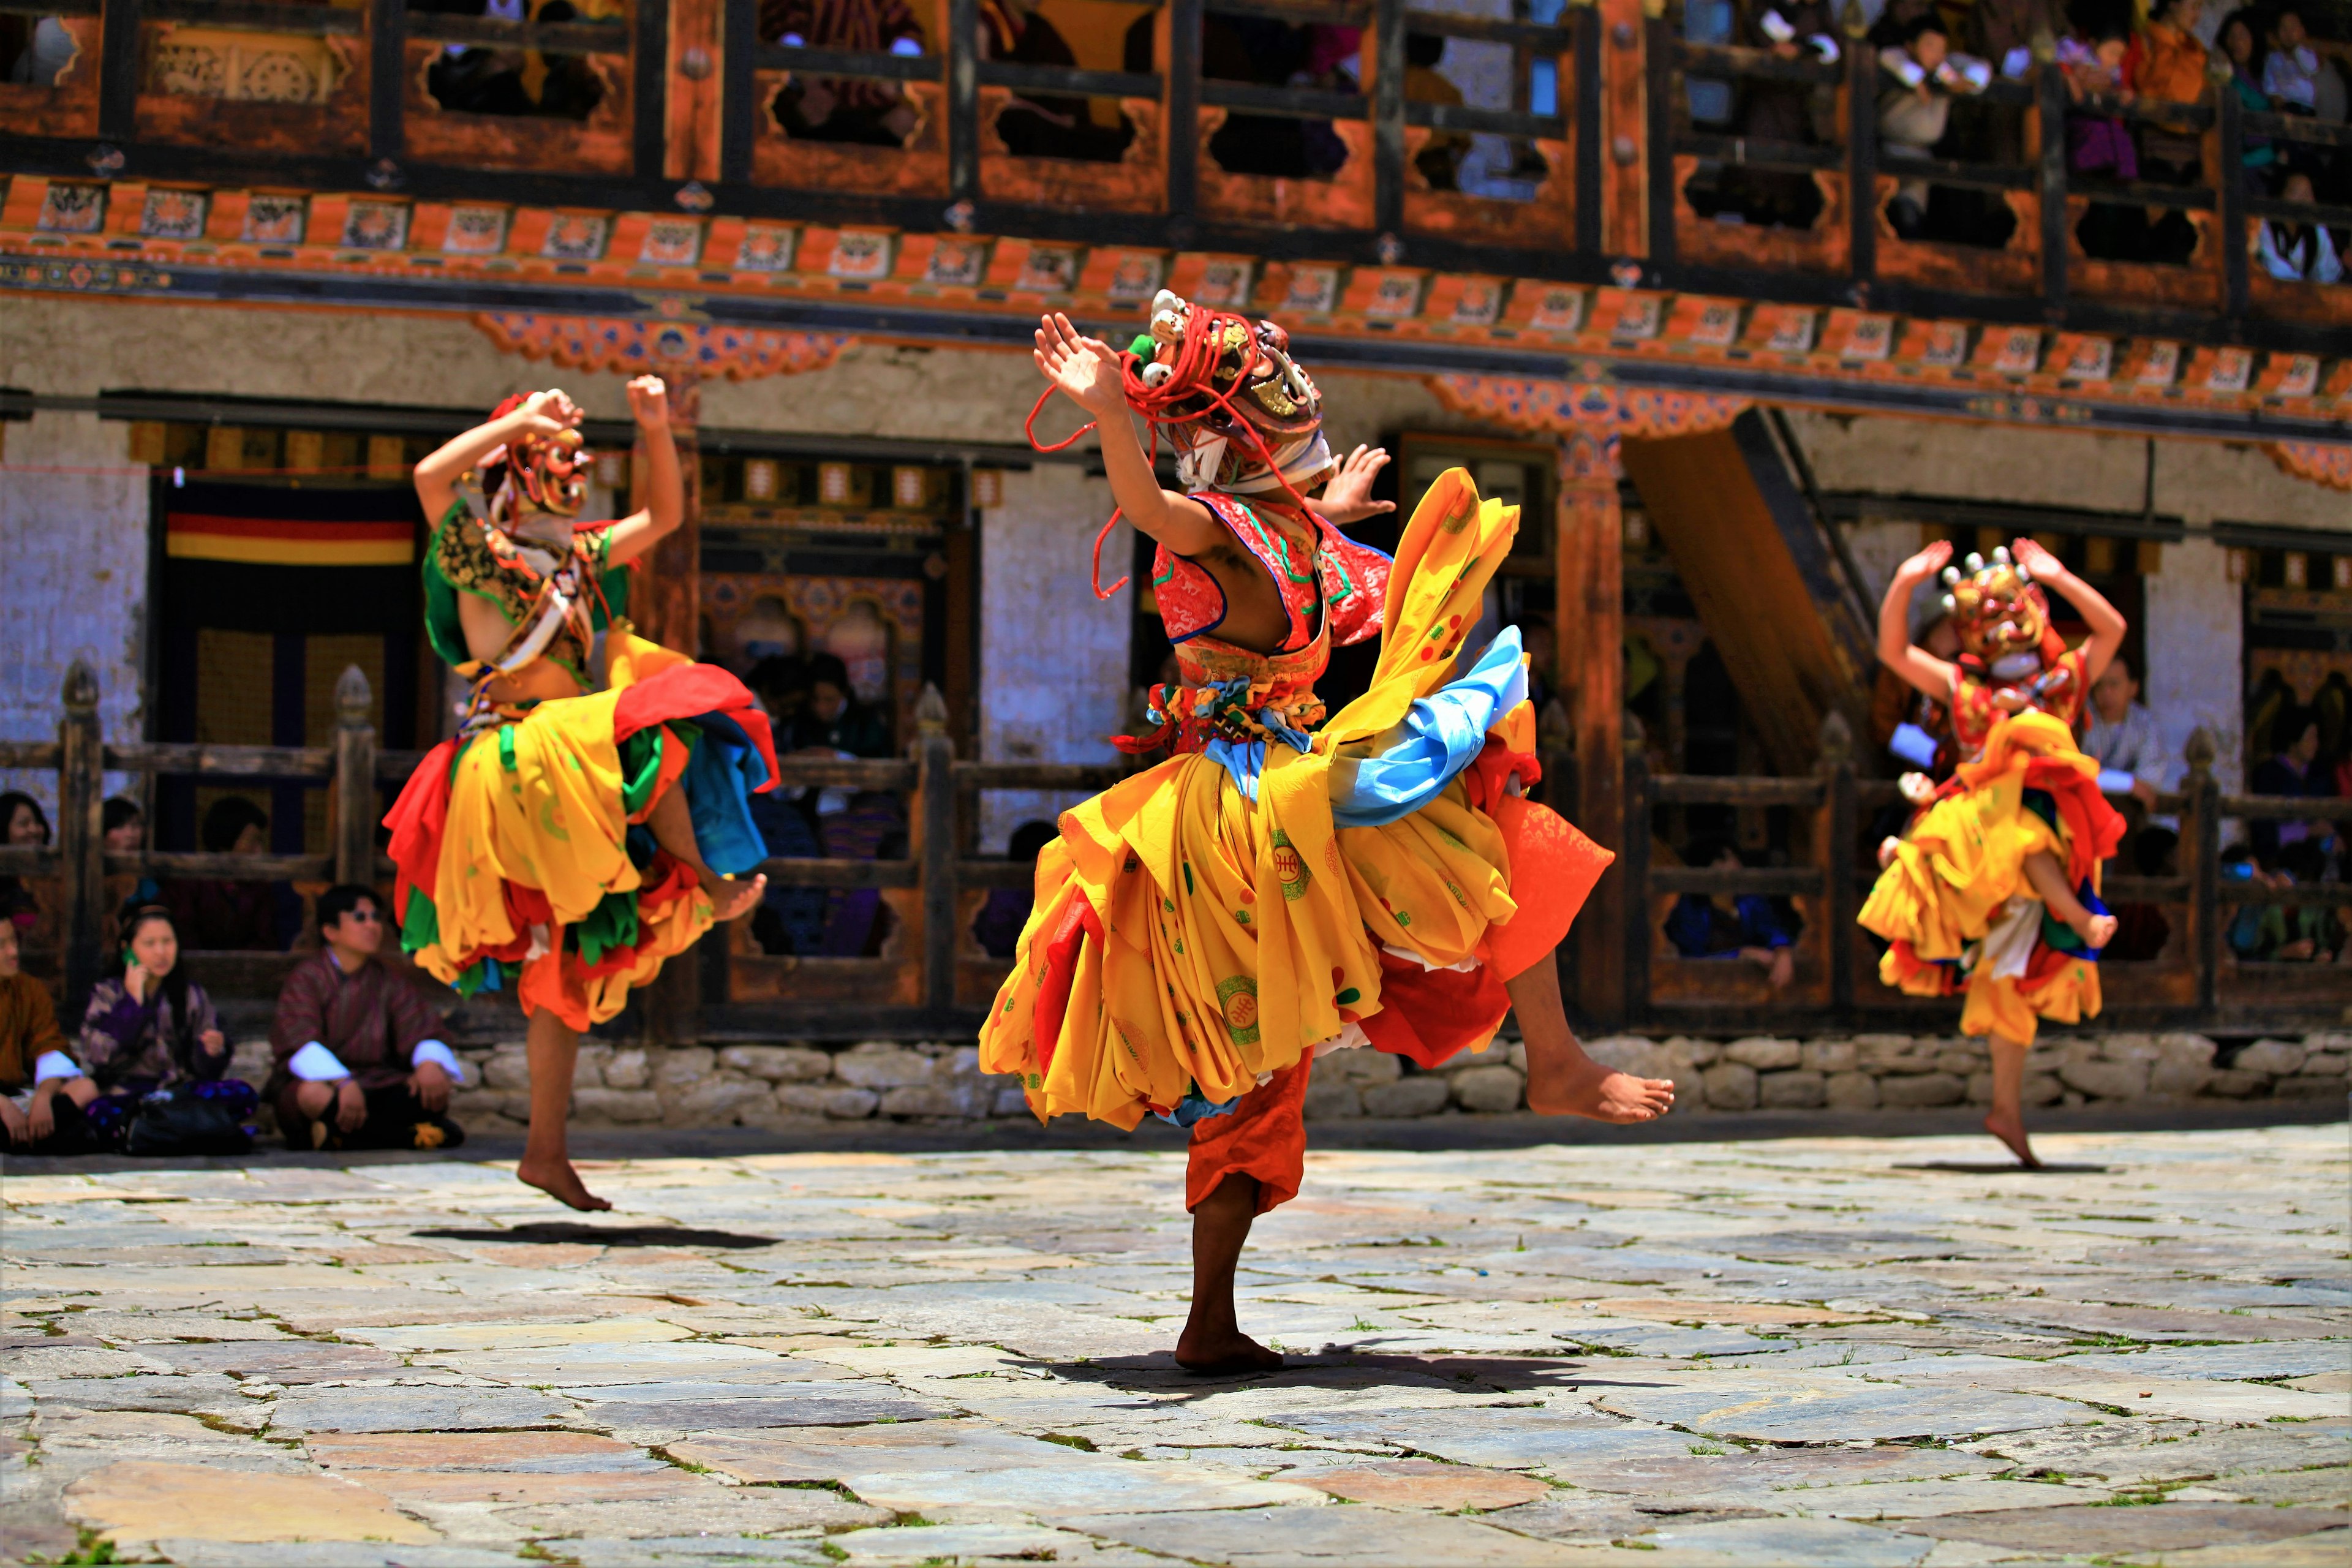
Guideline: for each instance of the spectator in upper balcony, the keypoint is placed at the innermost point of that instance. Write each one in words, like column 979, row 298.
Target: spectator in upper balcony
column 1782, row 112
column 1265, row 52
column 2003, row 32
column 1917, row 78
column 2166, row 64
column 475, row 79
column 2241, row 40
column 2298, row 252
column 1058, row 125
column 2291, row 73
column 1440, row 160
column 844, row 109
column 2098, row 143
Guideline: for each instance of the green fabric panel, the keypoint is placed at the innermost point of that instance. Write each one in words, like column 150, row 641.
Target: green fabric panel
column 442, row 626
column 506, row 747
column 420, row 924
column 612, row 923
column 641, row 757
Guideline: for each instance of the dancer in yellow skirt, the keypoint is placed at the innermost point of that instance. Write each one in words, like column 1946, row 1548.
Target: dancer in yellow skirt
column 1287, row 886
column 580, row 830
column 1994, row 891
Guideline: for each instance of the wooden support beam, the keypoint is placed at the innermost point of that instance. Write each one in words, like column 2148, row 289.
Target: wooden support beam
column 1590, row 619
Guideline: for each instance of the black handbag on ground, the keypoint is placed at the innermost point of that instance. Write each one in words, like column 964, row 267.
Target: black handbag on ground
column 166, row 1123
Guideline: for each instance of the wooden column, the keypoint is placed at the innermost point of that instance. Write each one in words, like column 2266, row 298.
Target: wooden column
column 1590, row 617
column 1623, row 73
column 355, row 807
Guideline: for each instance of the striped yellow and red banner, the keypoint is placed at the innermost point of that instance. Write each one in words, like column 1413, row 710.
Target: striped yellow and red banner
column 289, row 542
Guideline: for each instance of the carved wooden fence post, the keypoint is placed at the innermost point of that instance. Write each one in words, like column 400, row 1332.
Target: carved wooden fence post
column 2203, row 840
column 1633, row 864
column 935, row 795
column 1837, row 855
column 355, row 796
column 81, row 841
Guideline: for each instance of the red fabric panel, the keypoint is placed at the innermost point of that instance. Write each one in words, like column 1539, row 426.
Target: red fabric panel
column 1264, row 1136
column 1429, row 1015
column 416, row 820
column 1078, row 921
column 689, row 691
column 1553, row 870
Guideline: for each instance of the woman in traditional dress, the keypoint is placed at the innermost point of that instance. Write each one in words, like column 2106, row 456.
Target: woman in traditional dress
column 1277, row 890
column 1994, row 891
column 583, row 825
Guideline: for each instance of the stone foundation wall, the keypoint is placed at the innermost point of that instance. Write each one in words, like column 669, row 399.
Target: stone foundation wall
column 780, row 1086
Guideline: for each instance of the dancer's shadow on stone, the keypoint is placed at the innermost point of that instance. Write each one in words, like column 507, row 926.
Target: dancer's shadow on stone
column 545, row 1231
column 2003, row 1168
column 1333, row 1364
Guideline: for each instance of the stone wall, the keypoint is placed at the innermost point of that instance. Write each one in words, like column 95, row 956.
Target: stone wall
column 782, row 1086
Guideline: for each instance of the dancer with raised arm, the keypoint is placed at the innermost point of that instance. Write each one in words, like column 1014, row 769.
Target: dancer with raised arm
column 1993, row 891
column 1284, row 887
column 583, row 825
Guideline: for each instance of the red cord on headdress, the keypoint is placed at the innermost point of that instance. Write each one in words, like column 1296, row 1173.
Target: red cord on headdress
column 1193, row 375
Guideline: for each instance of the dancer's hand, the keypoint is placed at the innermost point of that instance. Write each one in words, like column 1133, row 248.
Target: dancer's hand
column 549, row 413
column 1347, row 495
column 1924, row 564
column 650, row 404
column 1084, row 369
column 2039, row 562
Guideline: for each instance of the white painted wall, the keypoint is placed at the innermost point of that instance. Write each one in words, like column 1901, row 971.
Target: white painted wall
column 2195, row 623
column 1053, row 657
column 73, row 581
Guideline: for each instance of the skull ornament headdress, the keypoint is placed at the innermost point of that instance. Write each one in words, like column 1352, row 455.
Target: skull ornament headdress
column 1244, row 415
column 2001, row 617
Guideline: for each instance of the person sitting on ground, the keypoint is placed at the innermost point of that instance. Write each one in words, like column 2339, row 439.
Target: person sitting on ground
column 999, row 924
column 2306, row 934
column 359, row 1065
column 149, row 1027
column 2298, row 252
column 2122, row 737
column 37, row 1072
column 217, row 912
column 1743, row 926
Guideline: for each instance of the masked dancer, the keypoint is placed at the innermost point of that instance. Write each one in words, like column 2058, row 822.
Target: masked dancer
column 1287, row 886
column 583, row 825
column 1993, row 891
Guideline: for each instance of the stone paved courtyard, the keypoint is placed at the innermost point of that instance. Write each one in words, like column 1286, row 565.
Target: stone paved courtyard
column 1819, row 1351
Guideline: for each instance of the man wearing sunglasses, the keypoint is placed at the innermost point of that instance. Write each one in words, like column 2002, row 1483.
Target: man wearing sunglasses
column 358, row 1063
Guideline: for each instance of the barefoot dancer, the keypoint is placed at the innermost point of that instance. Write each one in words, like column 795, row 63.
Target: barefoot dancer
column 605, row 817
column 2018, row 830
column 1207, row 928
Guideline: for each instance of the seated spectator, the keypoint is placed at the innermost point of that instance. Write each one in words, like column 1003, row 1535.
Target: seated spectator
column 2291, row 771
column 1057, row 125
column 359, row 1065
column 2291, row 73
column 2306, row 933
column 2298, row 252
column 844, row 109
column 2122, row 737
column 2141, row 930
column 215, row 912
column 835, row 719
column 149, row 1027
column 1001, row 919
column 1917, row 79
column 2239, row 38
column 2167, row 64
column 123, row 825
column 42, row 1088
column 1440, row 158
column 25, row 825
column 2098, row 143
column 1744, row 926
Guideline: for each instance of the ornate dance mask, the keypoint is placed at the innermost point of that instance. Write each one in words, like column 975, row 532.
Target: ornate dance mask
column 1244, row 415
column 2001, row 617
column 536, row 485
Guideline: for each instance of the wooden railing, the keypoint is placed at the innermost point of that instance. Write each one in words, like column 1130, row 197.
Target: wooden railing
column 2194, row 982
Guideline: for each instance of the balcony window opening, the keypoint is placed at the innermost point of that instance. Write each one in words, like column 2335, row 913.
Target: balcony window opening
column 474, row 78
column 1264, row 52
column 1476, row 74
column 37, row 51
column 854, row 110
column 1776, row 115
column 1070, row 35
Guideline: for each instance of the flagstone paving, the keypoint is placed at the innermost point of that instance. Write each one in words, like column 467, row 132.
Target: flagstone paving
column 1808, row 1351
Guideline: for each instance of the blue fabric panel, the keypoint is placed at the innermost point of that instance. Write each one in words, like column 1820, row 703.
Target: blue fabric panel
column 1441, row 735
column 720, row 777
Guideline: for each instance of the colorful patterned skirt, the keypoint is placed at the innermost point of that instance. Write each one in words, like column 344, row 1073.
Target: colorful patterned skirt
column 1954, row 905
column 521, row 852
column 1206, row 924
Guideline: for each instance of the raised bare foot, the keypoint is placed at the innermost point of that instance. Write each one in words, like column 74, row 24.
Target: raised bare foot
column 2097, row 931
column 2010, row 1130
column 559, row 1181
column 1601, row 1092
column 1202, row 1350
column 729, row 898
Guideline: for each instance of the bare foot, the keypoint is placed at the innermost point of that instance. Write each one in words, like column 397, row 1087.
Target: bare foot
column 729, row 898
column 1200, row 1351
column 2010, row 1130
column 1603, row 1093
column 559, row 1181
column 2097, row 931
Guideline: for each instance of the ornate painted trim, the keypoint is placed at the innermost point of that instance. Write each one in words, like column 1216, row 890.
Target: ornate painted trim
column 1592, row 415
column 697, row 350
column 2321, row 464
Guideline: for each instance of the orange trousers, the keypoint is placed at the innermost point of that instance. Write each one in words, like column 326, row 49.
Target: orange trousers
column 1264, row 1136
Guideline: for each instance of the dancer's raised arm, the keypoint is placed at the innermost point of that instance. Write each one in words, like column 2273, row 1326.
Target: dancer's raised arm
column 2107, row 622
column 542, row 414
column 1895, row 648
column 665, row 506
column 1086, row 370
